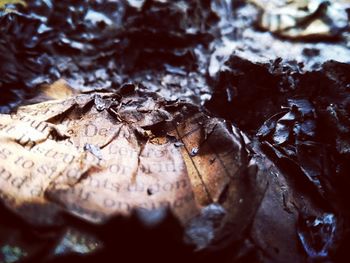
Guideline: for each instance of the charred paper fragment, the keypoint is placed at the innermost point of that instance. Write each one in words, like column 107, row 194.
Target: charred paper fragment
column 95, row 156
column 11, row 254
column 74, row 241
column 317, row 235
column 304, row 119
column 102, row 44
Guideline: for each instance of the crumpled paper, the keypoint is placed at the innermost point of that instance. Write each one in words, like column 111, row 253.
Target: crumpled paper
column 104, row 154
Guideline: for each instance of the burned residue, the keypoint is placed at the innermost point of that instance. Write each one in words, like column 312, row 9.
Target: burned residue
column 262, row 84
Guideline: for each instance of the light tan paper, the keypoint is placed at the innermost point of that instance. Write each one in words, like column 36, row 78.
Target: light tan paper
column 97, row 155
column 303, row 18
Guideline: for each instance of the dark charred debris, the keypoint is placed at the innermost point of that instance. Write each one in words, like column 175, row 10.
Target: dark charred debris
column 296, row 112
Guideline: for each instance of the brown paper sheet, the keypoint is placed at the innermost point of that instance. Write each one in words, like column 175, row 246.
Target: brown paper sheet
column 99, row 155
